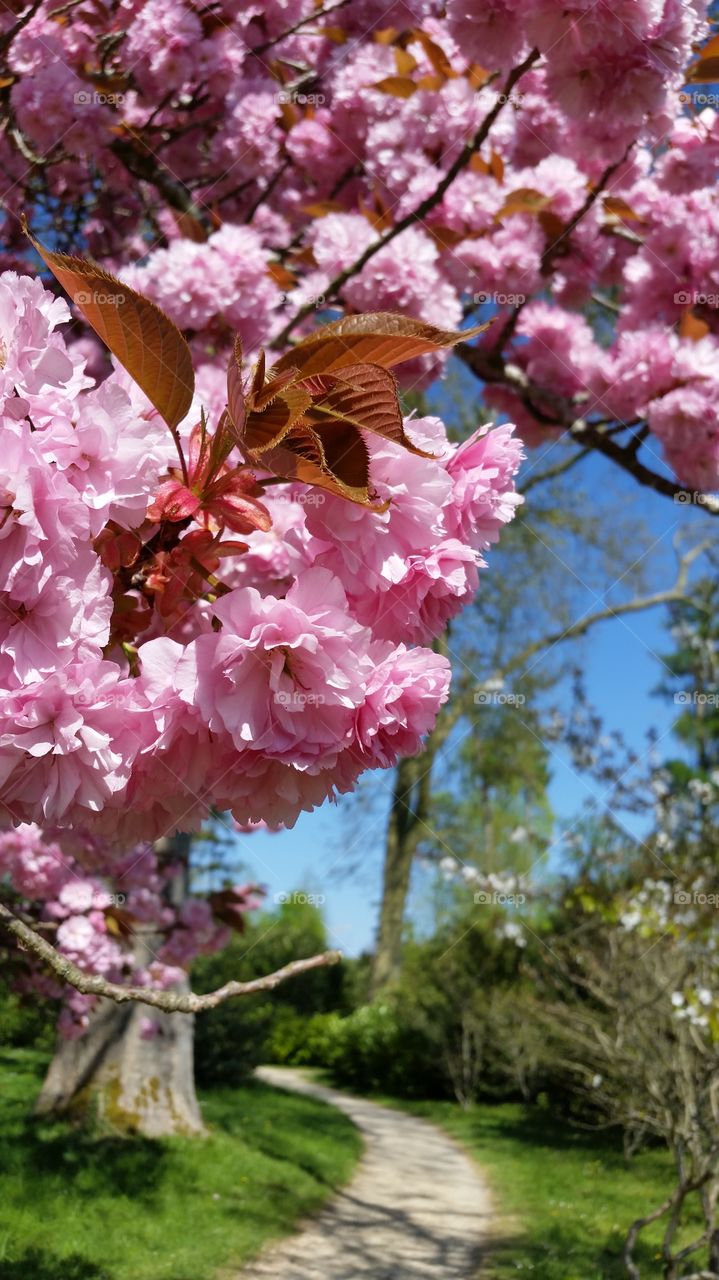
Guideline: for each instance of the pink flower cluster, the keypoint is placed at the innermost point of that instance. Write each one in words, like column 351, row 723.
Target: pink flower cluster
column 233, row 187
column 111, row 914
column 262, row 700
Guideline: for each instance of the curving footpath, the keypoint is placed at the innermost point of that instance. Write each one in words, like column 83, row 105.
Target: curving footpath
column 416, row 1208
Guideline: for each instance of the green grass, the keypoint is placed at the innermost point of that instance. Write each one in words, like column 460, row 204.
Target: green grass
column 568, row 1194
column 79, row 1207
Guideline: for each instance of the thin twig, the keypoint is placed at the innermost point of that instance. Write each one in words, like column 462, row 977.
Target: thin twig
column 423, row 209
column 313, row 17
column 552, row 472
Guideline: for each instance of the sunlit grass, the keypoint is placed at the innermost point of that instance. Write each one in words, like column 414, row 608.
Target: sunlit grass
column 74, row 1206
column 565, row 1196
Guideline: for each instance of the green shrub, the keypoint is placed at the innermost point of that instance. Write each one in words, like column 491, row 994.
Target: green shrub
column 26, row 1023
column 232, row 1039
column 378, row 1048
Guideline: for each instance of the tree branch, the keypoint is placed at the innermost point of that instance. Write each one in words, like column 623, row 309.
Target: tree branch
column 557, row 247
column 9, row 36
column 168, row 1001
column 636, row 605
column 146, row 166
column 552, row 472
column 426, row 206
column 313, row 17
column 489, row 366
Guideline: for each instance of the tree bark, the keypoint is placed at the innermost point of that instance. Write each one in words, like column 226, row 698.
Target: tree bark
column 407, row 821
column 399, row 851
column 132, row 1070
column 124, row 1081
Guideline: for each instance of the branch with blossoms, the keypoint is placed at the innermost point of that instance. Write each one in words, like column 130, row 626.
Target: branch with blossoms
column 551, row 410
column 431, row 168
column 421, row 212
column 94, row 984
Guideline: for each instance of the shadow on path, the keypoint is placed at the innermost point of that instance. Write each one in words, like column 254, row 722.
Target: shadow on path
column 416, row 1208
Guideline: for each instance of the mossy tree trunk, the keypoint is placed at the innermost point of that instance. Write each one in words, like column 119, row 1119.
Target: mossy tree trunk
column 133, row 1069
column 122, row 1078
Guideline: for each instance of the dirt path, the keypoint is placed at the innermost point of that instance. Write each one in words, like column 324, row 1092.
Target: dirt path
column 416, row 1208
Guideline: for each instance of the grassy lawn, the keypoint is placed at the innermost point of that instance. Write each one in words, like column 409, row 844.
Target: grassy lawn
column 569, row 1193
column 78, row 1207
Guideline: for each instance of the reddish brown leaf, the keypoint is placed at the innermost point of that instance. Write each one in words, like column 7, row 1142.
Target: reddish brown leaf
column 235, row 388
column 322, row 207
column 476, row 76
column 380, row 337
column 404, row 61
column 396, row 86
column 704, row 71
column 262, row 430
column 496, row 166
column 301, row 456
column 337, row 35
column 445, row 237
column 258, row 378
column 524, row 200
column 435, row 54
column 291, row 114
column 690, row 326
column 620, row 209
column 364, row 398
column 190, row 227
column 281, row 275
column 136, row 331
column 552, row 225
column 432, row 82
column 273, row 386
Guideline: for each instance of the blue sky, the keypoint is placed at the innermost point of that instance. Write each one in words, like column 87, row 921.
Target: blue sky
column 337, row 852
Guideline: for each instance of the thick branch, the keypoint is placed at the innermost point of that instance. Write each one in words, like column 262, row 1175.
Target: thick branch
column 490, row 367
column 94, row 984
column 148, row 168
column 9, row 36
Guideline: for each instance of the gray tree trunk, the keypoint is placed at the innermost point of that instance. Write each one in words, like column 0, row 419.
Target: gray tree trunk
column 120, row 1077
column 399, row 851
column 123, row 1080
